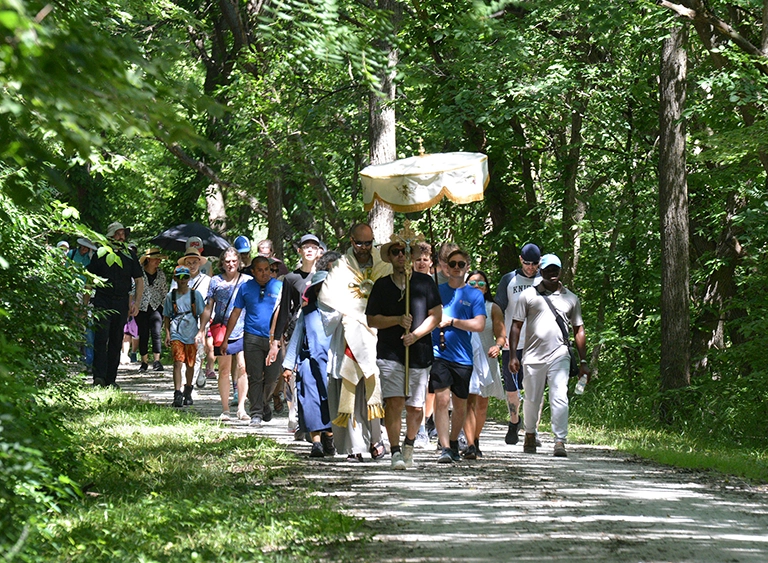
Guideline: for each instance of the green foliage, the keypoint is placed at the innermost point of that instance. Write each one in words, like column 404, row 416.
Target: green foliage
column 158, row 477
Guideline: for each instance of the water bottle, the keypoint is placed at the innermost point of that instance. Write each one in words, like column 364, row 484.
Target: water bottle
column 581, row 384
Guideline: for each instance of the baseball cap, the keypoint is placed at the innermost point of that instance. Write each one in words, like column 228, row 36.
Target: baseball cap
column 242, row 244
column 530, row 253
column 195, row 242
column 181, row 271
column 550, row 260
column 309, row 238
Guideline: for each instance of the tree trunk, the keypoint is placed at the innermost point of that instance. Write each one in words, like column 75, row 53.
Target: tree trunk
column 276, row 230
column 381, row 123
column 572, row 211
column 673, row 210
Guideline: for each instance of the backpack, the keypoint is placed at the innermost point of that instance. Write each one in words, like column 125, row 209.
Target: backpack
column 192, row 301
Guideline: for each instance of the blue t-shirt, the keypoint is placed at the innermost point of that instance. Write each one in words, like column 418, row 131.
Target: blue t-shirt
column 222, row 295
column 259, row 304
column 183, row 325
column 463, row 303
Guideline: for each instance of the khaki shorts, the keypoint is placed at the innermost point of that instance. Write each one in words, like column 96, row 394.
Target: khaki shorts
column 184, row 353
column 392, row 376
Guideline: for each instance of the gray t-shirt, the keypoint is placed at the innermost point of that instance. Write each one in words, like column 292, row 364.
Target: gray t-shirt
column 543, row 337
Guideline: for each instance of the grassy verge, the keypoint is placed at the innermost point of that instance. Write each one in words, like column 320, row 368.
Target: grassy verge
column 161, row 485
column 643, row 438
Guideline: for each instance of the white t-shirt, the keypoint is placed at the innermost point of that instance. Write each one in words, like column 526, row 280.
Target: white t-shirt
column 543, row 337
column 517, row 284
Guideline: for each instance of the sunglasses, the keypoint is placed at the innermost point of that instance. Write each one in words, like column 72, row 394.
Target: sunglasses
column 527, row 263
column 396, row 251
column 454, row 264
column 362, row 242
column 475, row 283
column 274, row 270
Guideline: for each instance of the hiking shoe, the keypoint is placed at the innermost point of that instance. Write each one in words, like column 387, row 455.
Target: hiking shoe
column 317, row 450
column 422, row 440
column 255, row 422
column 188, row 395
column 397, row 462
column 266, row 414
column 200, row 382
column 470, row 452
column 143, row 367
column 298, row 435
column 445, row 456
column 157, row 366
column 512, row 438
column 529, row 446
column 178, row 399
column 560, row 449
column 99, row 382
column 327, row 441
column 408, row 456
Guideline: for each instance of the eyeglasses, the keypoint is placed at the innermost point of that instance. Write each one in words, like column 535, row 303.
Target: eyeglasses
column 275, row 270
column 527, row 263
column 362, row 242
column 454, row 264
column 476, row 283
column 396, row 251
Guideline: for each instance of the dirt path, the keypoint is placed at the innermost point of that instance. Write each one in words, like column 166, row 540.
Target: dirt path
column 596, row 505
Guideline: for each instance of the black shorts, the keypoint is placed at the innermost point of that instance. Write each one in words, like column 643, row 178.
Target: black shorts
column 450, row 374
column 512, row 381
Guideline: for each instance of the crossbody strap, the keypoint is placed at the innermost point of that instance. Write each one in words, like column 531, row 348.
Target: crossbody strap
column 560, row 321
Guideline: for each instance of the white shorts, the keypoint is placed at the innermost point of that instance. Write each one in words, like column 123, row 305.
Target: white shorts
column 392, row 376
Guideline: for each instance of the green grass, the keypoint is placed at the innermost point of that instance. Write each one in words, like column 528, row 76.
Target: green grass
column 162, row 485
column 642, row 436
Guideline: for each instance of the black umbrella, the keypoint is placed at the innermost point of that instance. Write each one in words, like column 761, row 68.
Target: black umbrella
column 175, row 239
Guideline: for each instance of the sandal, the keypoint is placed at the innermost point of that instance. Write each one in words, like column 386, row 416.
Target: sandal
column 242, row 415
column 378, row 450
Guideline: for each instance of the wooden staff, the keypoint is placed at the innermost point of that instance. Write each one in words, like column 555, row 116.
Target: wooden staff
column 408, row 267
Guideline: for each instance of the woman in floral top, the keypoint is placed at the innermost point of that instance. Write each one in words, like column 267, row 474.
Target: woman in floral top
column 150, row 317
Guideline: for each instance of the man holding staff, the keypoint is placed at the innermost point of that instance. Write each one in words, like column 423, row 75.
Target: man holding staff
column 399, row 302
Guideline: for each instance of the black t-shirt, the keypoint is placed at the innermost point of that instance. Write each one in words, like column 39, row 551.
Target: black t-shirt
column 119, row 278
column 294, row 285
column 387, row 299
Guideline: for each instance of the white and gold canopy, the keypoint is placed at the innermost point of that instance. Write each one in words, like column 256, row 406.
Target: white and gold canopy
column 419, row 182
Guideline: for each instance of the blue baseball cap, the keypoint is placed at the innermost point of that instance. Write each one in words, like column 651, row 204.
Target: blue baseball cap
column 181, row 271
column 550, row 260
column 242, row 244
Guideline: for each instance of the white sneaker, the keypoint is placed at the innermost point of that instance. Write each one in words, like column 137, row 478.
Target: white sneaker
column 408, row 456
column 397, row 461
column 422, row 440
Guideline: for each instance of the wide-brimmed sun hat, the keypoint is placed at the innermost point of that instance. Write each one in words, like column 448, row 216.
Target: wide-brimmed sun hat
column 152, row 252
column 192, row 253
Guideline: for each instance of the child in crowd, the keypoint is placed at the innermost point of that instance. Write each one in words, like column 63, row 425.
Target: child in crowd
column 181, row 313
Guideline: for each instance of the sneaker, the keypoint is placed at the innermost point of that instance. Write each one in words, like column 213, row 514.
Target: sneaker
column 143, row 367
column 408, row 456
column 188, row 395
column 454, row 454
column 397, row 461
column 560, row 449
column 210, row 374
column 200, row 382
column 133, row 357
column 529, row 446
column 266, row 414
column 462, row 441
column 470, row 452
column 432, row 434
column 445, row 456
column 477, row 449
column 157, row 366
column 422, row 440
column 235, row 401
column 178, row 399
column 512, row 438
column 255, row 422
column 317, row 450
column 326, row 440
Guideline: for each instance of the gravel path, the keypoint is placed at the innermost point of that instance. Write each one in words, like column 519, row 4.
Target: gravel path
column 597, row 505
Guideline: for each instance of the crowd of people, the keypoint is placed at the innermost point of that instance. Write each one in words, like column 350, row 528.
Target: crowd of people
column 349, row 342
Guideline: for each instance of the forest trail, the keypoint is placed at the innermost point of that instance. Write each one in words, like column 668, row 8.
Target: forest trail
column 596, row 505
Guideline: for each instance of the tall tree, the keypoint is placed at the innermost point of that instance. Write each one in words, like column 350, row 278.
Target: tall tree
column 673, row 209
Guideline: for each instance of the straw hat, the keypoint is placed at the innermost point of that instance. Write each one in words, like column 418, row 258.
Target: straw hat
column 192, row 253
column 152, row 252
